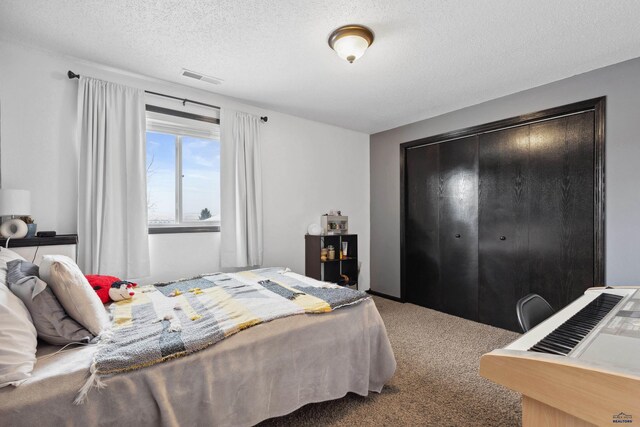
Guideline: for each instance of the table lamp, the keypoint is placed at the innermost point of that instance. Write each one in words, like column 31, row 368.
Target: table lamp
column 12, row 203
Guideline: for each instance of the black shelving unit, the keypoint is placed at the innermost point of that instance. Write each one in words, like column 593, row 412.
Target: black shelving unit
column 332, row 270
column 60, row 239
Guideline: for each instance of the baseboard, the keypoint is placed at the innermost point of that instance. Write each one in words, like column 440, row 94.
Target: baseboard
column 381, row 295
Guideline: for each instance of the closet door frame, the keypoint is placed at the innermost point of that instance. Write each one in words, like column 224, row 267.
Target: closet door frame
column 597, row 105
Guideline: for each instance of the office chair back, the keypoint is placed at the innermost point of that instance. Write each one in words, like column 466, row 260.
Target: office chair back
column 532, row 310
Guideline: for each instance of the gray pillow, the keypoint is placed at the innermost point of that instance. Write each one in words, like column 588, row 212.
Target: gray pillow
column 51, row 321
column 19, row 269
column 6, row 256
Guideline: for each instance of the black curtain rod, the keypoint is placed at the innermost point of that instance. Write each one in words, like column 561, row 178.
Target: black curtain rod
column 73, row 75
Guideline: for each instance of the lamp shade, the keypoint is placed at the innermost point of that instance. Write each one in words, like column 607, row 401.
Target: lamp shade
column 15, row 202
column 351, row 41
column 350, row 48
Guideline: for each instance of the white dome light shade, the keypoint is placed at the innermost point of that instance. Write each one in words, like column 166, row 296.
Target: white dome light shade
column 350, row 48
column 351, row 41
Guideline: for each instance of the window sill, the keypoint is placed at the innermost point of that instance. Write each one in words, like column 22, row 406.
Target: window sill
column 178, row 229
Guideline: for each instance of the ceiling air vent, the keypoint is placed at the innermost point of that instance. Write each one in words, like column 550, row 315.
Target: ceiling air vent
column 201, row 77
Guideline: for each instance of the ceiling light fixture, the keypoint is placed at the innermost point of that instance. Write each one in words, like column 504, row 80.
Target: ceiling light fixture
column 351, row 41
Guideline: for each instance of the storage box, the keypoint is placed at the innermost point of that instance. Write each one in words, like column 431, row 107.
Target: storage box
column 334, row 224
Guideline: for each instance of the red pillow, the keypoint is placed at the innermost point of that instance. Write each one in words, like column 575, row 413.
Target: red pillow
column 101, row 284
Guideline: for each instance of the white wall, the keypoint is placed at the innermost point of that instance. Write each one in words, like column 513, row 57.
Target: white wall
column 308, row 167
column 620, row 83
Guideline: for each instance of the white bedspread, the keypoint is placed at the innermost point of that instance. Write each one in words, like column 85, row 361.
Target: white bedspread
column 265, row 371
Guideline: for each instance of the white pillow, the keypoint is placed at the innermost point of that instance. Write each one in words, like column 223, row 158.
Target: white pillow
column 18, row 339
column 74, row 292
column 6, row 255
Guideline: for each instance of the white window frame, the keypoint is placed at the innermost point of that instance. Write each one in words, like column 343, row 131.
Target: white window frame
column 181, row 226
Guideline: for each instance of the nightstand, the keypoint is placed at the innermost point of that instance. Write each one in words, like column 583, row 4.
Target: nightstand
column 33, row 249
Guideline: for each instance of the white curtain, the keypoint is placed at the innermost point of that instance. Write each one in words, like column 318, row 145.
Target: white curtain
column 241, row 190
column 112, row 190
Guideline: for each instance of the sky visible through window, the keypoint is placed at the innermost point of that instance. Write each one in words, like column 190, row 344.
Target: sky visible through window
column 200, row 182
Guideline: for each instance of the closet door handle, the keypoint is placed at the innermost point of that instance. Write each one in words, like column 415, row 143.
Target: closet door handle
column 457, row 236
column 503, row 238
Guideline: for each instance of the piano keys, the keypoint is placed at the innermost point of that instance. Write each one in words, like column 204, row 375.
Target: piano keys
column 570, row 333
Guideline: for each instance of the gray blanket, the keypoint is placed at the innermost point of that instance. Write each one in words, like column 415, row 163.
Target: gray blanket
column 172, row 320
column 263, row 372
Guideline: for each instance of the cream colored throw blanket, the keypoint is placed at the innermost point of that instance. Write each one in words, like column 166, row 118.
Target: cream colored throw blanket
column 166, row 321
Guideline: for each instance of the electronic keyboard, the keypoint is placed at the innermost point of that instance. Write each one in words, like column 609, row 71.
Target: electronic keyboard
column 581, row 366
column 602, row 326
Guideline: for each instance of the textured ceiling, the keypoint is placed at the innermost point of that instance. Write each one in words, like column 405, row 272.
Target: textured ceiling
column 429, row 57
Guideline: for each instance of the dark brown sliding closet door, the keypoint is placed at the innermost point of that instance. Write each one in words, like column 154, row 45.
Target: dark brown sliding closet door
column 503, row 216
column 498, row 211
column 536, row 215
column 422, row 253
column 458, row 202
column 561, row 214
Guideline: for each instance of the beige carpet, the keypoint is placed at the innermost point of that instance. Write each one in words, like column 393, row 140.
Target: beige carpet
column 436, row 383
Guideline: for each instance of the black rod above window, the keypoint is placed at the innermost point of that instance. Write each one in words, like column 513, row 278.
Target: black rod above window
column 264, row 119
column 162, row 110
column 73, row 75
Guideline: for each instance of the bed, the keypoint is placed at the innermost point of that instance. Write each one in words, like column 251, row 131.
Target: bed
column 262, row 372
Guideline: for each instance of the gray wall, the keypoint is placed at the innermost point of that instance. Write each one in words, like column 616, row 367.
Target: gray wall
column 620, row 83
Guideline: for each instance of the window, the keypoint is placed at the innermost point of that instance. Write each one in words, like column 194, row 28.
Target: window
column 183, row 171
